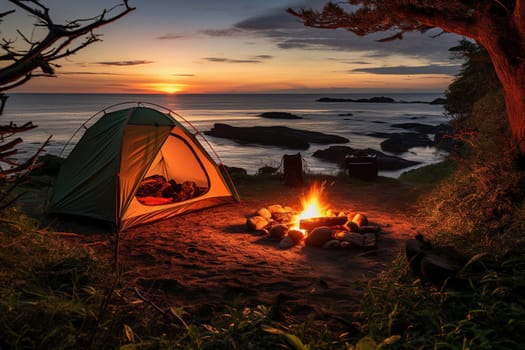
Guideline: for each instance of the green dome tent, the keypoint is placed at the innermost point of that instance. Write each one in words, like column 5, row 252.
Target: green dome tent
column 139, row 165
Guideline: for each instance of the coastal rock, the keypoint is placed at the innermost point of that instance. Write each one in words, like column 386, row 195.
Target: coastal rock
column 336, row 154
column 423, row 128
column 286, row 243
column 278, row 231
column 267, row 170
column 380, row 99
column 279, row 115
column 296, row 236
column 281, row 136
column 256, row 223
column 381, row 135
column 438, row 101
column 319, row 236
column 236, row 170
column 332, row 244
column 401, row 143
column 265, row 213
column 276, row 208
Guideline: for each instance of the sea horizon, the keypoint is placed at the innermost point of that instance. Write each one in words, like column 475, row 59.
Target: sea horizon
column 374, row 93
column 61, row 117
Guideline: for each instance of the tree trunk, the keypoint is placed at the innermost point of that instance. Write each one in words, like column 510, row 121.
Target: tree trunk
column 515, row 104
column 506, row 48
column 513, row 82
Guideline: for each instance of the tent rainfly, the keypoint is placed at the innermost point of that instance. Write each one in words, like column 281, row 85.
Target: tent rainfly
column 139, row 165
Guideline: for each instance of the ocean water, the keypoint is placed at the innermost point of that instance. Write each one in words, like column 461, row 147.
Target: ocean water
column 62, row 115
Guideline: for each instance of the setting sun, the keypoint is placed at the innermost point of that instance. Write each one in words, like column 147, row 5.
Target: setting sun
column 165, row 88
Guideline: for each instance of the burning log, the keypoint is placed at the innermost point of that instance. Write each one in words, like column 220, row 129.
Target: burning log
column 311, row 223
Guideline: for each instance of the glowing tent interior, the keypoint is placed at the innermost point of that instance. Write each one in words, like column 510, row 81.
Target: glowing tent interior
column 137, row 165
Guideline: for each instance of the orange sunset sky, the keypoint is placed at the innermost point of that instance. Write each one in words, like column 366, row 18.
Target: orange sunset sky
column 235, row 46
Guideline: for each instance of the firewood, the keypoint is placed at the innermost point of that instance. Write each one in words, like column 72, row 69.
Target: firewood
column 360, row 220
column 309, row 224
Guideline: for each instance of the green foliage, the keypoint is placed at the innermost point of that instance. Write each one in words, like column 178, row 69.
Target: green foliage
column 54, row 295
column 432, row 174
column 477, row 207
column 488, row 315
column 49, row 291
column 481, row 203
column 476, row 79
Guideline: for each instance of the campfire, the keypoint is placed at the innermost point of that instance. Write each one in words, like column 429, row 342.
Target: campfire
column 316, row 224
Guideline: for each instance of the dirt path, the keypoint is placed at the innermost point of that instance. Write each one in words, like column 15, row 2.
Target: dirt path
column 207, row 259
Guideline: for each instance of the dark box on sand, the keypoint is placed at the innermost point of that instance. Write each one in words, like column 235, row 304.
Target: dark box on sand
column 363, row 167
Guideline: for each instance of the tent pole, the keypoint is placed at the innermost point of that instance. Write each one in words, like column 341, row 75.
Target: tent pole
column 117, row 221
column 117, row 255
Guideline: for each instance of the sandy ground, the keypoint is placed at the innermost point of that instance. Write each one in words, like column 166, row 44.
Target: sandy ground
column 205, row 260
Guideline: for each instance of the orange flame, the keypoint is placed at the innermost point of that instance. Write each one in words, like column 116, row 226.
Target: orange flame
column 313, row 205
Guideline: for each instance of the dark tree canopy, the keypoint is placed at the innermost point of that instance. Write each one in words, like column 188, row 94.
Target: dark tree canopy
column 476, row 79
column 497, row 25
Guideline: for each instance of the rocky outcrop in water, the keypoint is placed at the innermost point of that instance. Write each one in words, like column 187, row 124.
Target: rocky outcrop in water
column 279, row 115
column 337, row 154
column 423, row 128
column 379, row 99
column 280, row 136
column 402, row 142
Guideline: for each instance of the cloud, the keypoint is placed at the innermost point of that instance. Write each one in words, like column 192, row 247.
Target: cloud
column 171, row 37
column 183, row 75
column 264, row 57
column 124, row 63
column 221, row 32
column 255, row 59
column 411, row 70
column 88, row 73
column 229, row 60
column 287, row 32
column 356, row 62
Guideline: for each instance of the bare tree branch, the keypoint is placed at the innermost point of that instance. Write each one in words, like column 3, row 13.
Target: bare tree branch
column 3, row 14
column 28, row 55
column 54, row 45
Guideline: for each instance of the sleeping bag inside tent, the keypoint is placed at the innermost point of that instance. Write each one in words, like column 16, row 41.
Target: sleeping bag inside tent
column 138, row 165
